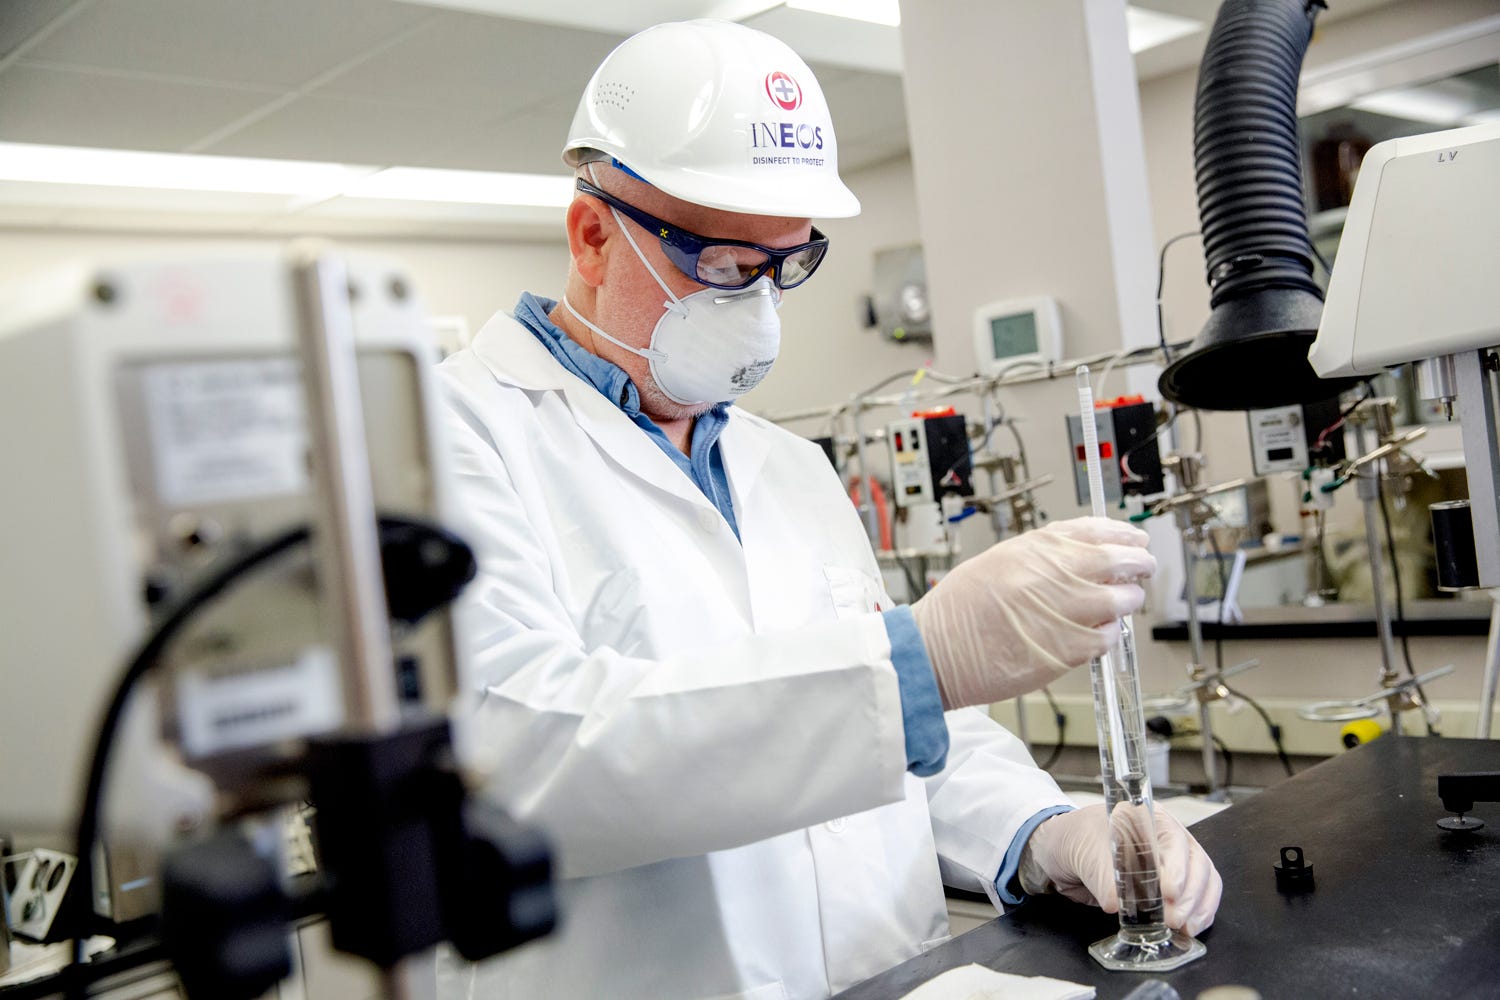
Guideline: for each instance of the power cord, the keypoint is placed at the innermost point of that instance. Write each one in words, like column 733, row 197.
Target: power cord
column 141, row 664
column 1228, row 762
column 1061, row 721
column 1318, row 443
column 1271, row 727
column 1161, row 282
column 1275, row 730
column 916, row 588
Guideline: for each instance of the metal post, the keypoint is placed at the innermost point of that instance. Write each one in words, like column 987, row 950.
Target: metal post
column 997, row 514
column 1476, row 408
column 1491, row 669
column 1368, row 485
column 1197, row 668
column 866, row 490
column 347, row 540
column 348, row 547
column 997, row 525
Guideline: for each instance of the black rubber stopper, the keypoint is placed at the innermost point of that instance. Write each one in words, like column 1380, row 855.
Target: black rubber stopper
column 1293, row 875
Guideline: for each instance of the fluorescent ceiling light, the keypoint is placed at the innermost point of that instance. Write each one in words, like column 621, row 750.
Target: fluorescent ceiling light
column 1146, row 29
column 473, row 187
column 306, row 182
column 619, row 18
column 1417, row 104
column 172, row 171
column 887, row 12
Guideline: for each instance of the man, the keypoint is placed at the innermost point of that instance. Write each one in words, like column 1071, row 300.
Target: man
column 687, row 671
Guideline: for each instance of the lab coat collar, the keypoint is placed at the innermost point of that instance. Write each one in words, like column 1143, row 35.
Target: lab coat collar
column 744, row 446
column 515, row 357
column 512, row 353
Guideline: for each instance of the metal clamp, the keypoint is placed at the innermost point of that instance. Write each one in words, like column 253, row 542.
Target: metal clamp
column 1398, row 697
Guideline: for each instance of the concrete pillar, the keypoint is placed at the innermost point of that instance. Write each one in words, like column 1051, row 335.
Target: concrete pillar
column 1030, row 175
column 1029, row 167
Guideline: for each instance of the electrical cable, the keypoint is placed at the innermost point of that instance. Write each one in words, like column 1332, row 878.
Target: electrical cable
column 911, row 373
column 1390, row 543
column 1320, row 525
column 1323, row 434
column 1061, row 721
column 1321, row 259
column 913, row 586
column 1271, row 727
column 1116, row 358
column 1010, row 425
column 1161, row 281
column 1016, row 366
column 1228, row 762
column 1160, row 430
column 144, row 660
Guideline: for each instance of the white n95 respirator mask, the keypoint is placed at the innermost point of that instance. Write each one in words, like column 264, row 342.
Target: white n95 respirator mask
column 712, row 346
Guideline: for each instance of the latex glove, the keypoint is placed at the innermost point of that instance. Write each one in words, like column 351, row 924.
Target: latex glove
column 1027, row 610
column 1070, row 853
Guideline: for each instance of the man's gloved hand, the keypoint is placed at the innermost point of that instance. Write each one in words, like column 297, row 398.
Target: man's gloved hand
column 1025, row 611
column 1070, row 853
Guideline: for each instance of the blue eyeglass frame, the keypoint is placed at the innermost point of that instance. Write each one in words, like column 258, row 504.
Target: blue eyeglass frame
column 683, row 248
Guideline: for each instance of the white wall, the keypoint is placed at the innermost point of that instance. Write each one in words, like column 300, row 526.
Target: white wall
column 827, row 353
column 470, row 279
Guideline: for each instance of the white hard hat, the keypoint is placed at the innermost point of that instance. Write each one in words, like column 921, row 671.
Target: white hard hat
column 717, row 114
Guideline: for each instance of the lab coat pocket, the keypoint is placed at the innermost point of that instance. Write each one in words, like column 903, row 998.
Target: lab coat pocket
column 854, row 591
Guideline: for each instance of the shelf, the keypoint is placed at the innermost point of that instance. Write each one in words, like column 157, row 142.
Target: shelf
column 1341, row 621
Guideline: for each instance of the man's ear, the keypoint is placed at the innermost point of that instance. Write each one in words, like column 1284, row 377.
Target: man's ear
column 586, row 240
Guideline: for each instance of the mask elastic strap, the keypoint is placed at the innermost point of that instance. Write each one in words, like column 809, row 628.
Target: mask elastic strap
column 673, row 302
column 645, row 352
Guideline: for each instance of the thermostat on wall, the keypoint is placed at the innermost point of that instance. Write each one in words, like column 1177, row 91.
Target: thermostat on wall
column 1017, row 330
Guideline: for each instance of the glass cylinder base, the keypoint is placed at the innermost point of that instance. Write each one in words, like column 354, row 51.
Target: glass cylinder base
column 1119, row 955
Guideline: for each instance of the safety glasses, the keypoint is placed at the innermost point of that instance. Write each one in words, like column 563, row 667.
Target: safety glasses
column 723, row 263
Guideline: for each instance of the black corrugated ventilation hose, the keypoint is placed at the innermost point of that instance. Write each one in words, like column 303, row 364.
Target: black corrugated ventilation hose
column 1252, row 352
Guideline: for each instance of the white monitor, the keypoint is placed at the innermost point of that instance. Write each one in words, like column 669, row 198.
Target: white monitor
column 152, row 425
column 1415, row 275
column 1015, row 331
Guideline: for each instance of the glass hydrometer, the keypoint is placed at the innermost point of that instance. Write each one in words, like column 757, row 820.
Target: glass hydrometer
column 1144, row 941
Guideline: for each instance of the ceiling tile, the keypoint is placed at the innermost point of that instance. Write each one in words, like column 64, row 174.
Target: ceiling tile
column 504, row 66
column 618, row 17
column 343, row 130
column 838, row 40
column 282, row 43
column 71, row 108
column 20, row 19
column 527, row 143
column 866, row 106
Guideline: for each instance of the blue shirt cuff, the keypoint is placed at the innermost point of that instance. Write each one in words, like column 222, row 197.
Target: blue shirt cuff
column 1007, row 883
column 921, row 705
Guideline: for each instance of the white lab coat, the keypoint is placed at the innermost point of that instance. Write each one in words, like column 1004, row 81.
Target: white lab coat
column 710, row 731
